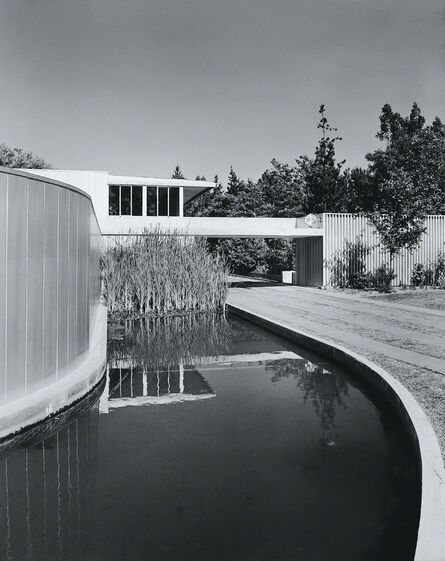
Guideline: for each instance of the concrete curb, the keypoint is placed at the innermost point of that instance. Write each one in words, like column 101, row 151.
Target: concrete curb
column 47, row 401
column 431, row 533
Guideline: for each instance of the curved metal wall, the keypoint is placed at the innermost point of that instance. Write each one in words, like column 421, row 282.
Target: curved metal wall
column 49, row 280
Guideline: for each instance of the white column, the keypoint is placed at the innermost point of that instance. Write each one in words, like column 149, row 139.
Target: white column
column 181, row 378
column 144, row 200
column 181, row 201
column 144, row 383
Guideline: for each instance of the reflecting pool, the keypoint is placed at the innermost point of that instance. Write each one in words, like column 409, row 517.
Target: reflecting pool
column 212, row 440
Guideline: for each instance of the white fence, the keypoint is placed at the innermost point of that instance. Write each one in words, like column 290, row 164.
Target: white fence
column 337, row 228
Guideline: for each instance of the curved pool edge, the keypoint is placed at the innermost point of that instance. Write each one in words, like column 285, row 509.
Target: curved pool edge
column 33, row 408
column 431, row 532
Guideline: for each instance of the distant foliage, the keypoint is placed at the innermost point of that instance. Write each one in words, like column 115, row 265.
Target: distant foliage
column 177, row 173
column 243, row 255
column 280, row 256
column 160, row 274
column 18, row 158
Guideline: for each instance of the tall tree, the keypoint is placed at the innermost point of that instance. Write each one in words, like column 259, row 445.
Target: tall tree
column 325, row 183
column 408, row 176
column 14, row 157
column 412, row 149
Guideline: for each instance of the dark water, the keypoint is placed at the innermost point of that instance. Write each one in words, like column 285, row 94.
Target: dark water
column 212, row 441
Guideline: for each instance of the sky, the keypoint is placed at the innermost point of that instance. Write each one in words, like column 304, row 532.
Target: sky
column 137, row 86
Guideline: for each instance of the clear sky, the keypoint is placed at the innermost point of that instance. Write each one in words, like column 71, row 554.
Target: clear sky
column 136, row 86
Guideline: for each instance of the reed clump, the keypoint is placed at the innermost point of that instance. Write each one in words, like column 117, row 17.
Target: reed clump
column 161, row 273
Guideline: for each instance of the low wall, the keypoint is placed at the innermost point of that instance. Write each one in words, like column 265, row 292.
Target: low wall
column 51, row 322
column 431, row 532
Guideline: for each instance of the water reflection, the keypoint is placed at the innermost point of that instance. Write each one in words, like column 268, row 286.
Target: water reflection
column 239, row 476
column 47, row 479
column 325, row 390
column 150, row 360
column 157, row 343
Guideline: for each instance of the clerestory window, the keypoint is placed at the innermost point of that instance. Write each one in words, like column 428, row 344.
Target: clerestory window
column 127, row 200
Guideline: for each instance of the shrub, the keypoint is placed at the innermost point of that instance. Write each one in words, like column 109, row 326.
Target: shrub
column 348, row 265
column 382, row 277
column 439, row 269
column 433, row 275
column 160, row 273
column 418, row 275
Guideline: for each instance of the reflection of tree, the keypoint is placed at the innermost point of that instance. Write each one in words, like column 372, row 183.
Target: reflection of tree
column 160, row 342
column 325, row 390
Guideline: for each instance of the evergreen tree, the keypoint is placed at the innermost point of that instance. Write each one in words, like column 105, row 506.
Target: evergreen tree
column 325, row 183
column 177, row 174
column 208, row 203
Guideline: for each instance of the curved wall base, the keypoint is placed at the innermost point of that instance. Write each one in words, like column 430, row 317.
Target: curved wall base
column 431, row 533
column 33, row 408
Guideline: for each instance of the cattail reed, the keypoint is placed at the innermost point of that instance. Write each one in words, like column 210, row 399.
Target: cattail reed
column 161, row 273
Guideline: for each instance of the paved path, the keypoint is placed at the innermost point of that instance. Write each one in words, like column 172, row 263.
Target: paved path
column 406, row 340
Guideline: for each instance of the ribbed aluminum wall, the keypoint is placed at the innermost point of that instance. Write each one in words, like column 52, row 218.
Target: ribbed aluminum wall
column 49, row 280
column 309, row 261
column 340, row 227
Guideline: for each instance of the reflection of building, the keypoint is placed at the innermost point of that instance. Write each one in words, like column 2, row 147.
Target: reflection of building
column 127, row 385
column 46, row 489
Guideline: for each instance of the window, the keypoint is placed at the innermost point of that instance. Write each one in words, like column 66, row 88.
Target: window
column 152, row 201
column 127, row 200
column 113, row 200
column 163, row 202
column 136, row 200
column 173, row 201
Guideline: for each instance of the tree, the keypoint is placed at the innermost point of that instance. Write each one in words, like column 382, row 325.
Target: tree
column 244, row 255
column 18, row 158
column 282, row 189
column 325, row 183
column 402, row 224
column 411, row 150
column 177, row 174
column 208, row 203
column 408, row 177
column 279, row 255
